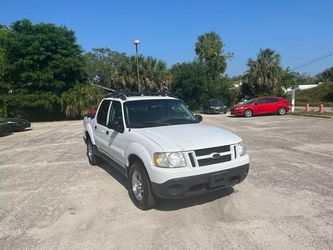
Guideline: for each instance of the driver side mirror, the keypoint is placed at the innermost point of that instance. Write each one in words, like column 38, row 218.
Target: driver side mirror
column 117, row 126
column 199, row 117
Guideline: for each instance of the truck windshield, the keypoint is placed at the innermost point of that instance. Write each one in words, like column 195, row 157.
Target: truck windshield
column 153, row 113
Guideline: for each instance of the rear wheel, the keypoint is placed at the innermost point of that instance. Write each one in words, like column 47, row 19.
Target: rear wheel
column 282, row 111
column 92, row 158
column 248, row 113
column 139, row 187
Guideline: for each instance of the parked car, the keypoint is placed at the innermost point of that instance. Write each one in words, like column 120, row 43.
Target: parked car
column 5, row 128
column 261, row 105
column 18, row 124
column 163, row 149
column 215, row 106
column 91, row 113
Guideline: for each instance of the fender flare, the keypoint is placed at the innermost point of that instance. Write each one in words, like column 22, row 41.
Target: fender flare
column 139, row 151
column 90, row 132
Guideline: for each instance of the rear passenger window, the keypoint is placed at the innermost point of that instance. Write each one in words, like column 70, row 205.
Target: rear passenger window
column 103, row 112
column 262, row 101
column 274, row 99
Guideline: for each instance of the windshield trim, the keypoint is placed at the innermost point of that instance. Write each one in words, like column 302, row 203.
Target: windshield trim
column 250, row 101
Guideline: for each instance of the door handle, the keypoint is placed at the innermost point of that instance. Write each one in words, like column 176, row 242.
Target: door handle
column 95, row 127
column 107, row 132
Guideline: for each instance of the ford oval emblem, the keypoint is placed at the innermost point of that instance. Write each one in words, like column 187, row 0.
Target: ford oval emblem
column 216, row 156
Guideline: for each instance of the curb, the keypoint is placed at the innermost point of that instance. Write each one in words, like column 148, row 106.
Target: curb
column 310, row 115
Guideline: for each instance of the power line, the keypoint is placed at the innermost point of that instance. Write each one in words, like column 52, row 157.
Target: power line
column 313, row 61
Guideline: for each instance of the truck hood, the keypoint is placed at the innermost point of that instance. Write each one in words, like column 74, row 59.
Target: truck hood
column 188, row 137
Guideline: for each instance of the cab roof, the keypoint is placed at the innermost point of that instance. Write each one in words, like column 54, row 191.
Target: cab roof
column 137, row 98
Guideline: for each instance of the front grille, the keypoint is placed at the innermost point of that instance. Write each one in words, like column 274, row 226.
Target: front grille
column 192, row 159
column 210, row 161
column 206, row 156
column 208, row 151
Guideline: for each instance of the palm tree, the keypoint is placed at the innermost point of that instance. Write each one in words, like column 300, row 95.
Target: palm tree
column 118, row 71
column 264, row 73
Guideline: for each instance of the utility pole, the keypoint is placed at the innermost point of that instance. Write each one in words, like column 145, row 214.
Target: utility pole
column 136, row 43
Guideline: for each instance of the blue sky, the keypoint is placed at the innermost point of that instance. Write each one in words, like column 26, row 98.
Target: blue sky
column 299, row 30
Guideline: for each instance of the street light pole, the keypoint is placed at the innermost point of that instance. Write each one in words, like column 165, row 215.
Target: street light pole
column 136, row 43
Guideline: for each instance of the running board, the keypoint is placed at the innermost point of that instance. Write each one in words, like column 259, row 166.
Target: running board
column 112, row 162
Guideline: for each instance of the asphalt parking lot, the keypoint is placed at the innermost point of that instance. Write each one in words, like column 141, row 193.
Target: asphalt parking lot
column 51, row 198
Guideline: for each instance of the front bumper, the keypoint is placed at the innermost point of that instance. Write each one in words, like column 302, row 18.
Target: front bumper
column 200, row 184
column 237, row 111
column 220, row 110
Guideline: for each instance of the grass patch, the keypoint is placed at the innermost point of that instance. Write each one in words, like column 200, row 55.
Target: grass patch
column 323, row 94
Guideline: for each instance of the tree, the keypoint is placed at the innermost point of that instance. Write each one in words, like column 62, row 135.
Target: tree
column 3, row 34
column 209, row 50
column 103, row 67
column 191, row 83
column 197, row 81
column 42, row 57
column 118, row 71
column 326, row 75
column 78, row 100
column 264, row 74
column 38, row 63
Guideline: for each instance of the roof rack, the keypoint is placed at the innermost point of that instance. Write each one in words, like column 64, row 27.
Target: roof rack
column 123, row 94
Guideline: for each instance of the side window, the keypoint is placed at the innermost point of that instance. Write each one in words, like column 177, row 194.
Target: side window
column 103, row 112
column 116, row 113
column 274, row 99
column 262, row 101
column 269, row 100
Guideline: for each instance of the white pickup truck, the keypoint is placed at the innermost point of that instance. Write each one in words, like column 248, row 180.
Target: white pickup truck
column 162, row 148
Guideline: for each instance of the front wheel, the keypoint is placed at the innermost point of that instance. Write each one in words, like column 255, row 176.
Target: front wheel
column 139, row 187
column 282, row 111
column 93, row 159
column 248, row 113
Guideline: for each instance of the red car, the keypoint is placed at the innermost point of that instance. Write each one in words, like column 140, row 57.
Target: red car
column 261, row 105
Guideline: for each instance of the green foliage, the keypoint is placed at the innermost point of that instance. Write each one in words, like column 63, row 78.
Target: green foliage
column 209, row 49
column 191, row 84
column 117, row 70
column 265, row 76
column 38, row 62
column 42, row 57
column 196, row 82
column 77, row 101
column 35, row 106
column 305, row 79
column 326, row 75
column 315, row 96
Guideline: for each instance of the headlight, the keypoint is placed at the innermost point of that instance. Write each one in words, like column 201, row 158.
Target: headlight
column 169, row 160
column 241, row 149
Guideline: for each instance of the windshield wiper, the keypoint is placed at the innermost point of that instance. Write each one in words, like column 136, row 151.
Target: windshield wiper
column 148, row 124
column 179, row 121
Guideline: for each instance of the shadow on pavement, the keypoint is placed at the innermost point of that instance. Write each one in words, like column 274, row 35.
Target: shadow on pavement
column 115, row 174
column 23, row 130
column 234, row 116
column 7, row 134
column 169, row 205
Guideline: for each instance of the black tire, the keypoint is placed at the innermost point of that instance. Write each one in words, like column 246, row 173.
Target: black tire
column 248, row 113
column 143, row 200
column 92, row 158
column 282, row 111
